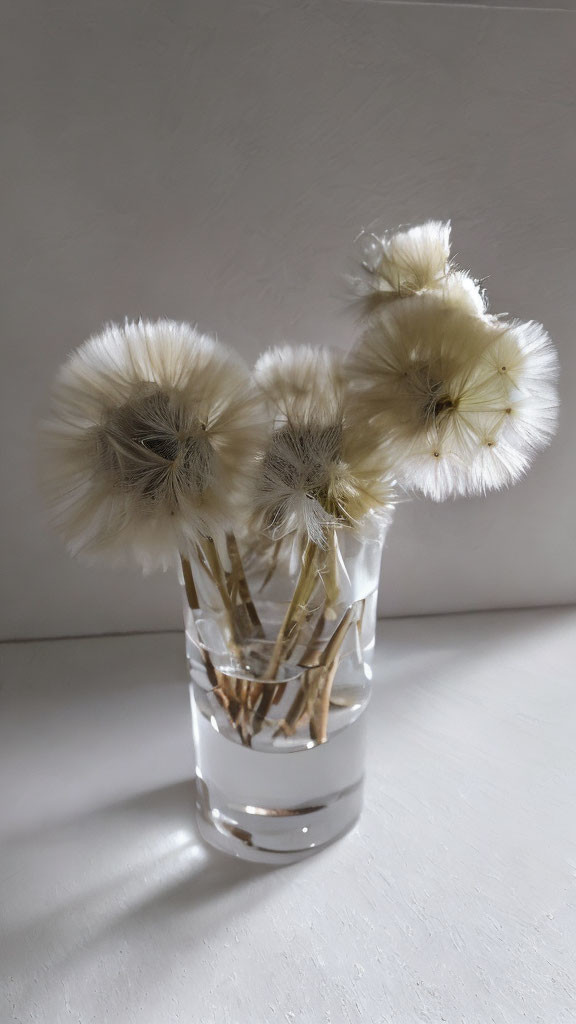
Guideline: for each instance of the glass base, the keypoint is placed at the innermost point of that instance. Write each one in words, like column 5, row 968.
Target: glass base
column 272, row 836
column 277, row 807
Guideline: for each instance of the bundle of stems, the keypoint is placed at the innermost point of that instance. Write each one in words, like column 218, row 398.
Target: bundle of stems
column 247, row 701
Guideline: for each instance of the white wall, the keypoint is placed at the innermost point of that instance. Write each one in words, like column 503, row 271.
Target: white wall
column 212, row 161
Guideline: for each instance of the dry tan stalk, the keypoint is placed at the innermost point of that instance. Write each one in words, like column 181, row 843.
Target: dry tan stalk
column 243, row 588
column 309, row 658
column 189, row 585
column 330, row 662
column 300, row 704
column 273, row 564
column 218, row 576
column 192, row 598
column 337, row 639
column 312, row 653
column 226, row 689
column 297, row 607
column 320, row 715
column 317, row 683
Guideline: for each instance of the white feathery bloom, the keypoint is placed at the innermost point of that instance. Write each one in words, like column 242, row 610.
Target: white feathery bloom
column 415, row 259
column 150, row 431
column 302, row 384
column 294, row 479
column 316, row 471
column 461, row 401
column 412, row 261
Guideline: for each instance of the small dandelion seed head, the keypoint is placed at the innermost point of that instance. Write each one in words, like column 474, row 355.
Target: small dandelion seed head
column 412, row 261
column 317, row 471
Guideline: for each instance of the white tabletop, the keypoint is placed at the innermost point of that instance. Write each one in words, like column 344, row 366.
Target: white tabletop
column 453, row 900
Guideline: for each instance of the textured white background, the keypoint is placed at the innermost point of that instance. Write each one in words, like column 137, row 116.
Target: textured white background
column 212, row 161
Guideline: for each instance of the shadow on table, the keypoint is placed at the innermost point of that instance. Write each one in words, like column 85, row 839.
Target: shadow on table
column 131, row 875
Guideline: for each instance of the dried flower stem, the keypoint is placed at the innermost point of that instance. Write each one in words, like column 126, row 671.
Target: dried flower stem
column 241, row 582
column 225, row 687
column 273, row 564
column 217, row 680
column 297, row 608
column 293, row 618
column 319, row 719
column 302, row 703
column 330, row 660
column 313, row 697
column 210, row 560
column 311, row 655
column 193, row 604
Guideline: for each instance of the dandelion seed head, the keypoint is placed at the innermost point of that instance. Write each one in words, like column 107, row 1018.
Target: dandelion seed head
column 461, row 400
column 316, row 473
column 412, row 261
column 145, row 449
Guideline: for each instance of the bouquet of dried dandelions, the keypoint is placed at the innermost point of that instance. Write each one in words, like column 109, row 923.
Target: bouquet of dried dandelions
column 163, row 446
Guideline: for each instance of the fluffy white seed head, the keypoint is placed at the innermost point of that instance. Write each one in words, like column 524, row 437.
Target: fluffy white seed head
column 415, row 259
column 151, row 427
column 410, row 262
column 317, row 471
column 462, row 401
column 302, row 384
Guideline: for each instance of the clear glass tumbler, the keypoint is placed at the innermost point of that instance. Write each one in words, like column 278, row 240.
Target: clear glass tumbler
column 280, row 677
